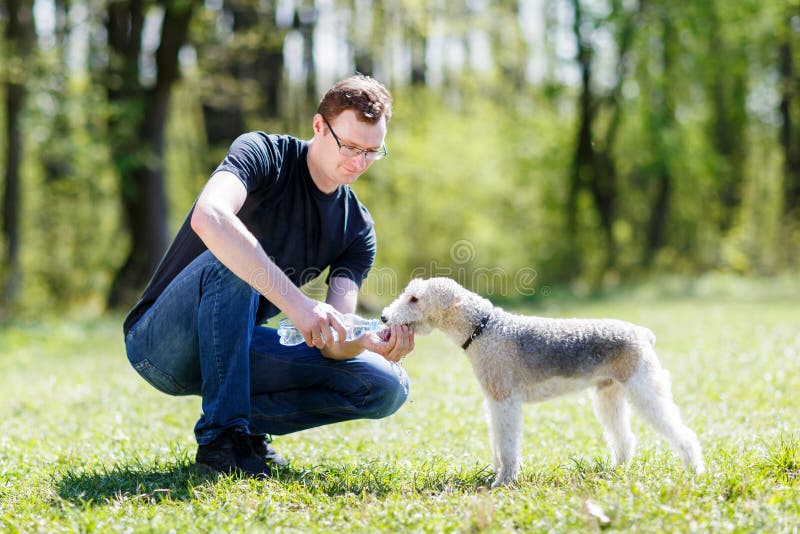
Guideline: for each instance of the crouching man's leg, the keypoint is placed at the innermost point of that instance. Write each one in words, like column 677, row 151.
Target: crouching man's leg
column 195, row 339
column 295, row 388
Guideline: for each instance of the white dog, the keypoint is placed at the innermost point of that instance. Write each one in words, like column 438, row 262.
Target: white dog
column 521, row 359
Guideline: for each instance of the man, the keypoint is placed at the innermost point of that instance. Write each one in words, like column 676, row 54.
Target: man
column 275, row 213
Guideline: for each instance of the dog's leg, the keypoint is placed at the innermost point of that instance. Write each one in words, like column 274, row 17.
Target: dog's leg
column 650, row 392
column 493, row 445
column 505, row 421
column 613, row 412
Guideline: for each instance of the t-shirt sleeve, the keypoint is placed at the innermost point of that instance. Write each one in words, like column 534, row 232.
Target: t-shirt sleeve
column 357, row 259
column 252, row 158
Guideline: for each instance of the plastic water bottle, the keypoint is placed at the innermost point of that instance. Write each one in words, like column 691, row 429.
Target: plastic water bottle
column 354, row 325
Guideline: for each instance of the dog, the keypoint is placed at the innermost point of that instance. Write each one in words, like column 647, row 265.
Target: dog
column 519, row 359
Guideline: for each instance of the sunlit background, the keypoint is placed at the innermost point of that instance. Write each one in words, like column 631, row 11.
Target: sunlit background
column 578, row 144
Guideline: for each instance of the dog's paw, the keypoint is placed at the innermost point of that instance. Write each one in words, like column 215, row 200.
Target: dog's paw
column 699, row 468
column 502, row 481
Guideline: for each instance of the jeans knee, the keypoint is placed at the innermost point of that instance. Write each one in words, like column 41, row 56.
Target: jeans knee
column 388, row 395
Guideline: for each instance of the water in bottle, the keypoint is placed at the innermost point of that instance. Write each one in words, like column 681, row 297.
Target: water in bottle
column 354, row 325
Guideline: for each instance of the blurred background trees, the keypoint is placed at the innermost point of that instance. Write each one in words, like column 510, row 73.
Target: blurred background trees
column 593, row 141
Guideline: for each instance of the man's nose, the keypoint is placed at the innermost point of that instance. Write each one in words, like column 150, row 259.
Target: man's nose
column 361, row 161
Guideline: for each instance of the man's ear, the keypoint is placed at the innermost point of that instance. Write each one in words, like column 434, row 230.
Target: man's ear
column 318, row 124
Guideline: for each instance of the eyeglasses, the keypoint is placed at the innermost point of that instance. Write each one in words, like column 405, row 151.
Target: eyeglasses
column 354, row 151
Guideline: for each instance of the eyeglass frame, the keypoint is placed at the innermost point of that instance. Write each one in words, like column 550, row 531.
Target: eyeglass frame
column 377, row 154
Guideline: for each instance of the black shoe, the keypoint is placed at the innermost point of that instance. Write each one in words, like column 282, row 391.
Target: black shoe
column 231, row 453
column 263, row 449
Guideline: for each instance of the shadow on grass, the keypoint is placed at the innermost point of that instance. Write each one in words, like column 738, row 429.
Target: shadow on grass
column 184, row 481
column 149, row 483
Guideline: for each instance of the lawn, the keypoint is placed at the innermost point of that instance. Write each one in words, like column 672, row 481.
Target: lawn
column 86, row 445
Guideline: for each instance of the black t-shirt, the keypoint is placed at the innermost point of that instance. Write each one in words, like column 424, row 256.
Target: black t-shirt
column 301, row 228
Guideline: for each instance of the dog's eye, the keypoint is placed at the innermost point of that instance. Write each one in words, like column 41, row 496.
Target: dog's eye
column 412, row 299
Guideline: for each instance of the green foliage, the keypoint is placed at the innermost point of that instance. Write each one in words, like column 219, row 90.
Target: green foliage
column 477, row 182
column 88, row 446
column 71, row 227
column 465, row 190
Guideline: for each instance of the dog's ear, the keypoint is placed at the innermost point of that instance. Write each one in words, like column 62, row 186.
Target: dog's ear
column 458, row 302
column 446, row 295
column 452, row 303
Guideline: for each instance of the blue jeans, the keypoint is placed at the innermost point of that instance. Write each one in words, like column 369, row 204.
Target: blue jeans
column 200, row 338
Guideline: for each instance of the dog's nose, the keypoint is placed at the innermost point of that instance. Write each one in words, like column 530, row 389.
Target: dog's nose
column 384, row 319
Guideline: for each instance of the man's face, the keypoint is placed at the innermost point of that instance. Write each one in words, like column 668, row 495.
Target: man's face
column 339, row 169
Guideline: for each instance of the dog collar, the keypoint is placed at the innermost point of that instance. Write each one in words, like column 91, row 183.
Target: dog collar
column 478, row 331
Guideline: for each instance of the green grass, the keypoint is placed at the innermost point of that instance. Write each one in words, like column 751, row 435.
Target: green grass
column 86, row 445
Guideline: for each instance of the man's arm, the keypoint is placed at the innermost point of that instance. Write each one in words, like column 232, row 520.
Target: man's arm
column 215, row 222
column 393, row 344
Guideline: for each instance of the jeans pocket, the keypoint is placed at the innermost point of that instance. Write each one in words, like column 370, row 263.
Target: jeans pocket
column 158, row 378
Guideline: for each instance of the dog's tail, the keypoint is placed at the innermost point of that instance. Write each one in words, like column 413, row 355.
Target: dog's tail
column 648, row 335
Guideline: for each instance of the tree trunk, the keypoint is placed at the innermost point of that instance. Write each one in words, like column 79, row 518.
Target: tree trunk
column 417, row 40
column 138, row 142
column 19, row 37
column 663, row 122
column 306, row 23
column 729, row 119
column 790, row 129
column 583, row 160
column 367, row 46
column 235, row 69
column 15, row 94
column 591, row 168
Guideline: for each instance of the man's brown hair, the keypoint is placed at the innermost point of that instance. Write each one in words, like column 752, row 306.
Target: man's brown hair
column 363, row 94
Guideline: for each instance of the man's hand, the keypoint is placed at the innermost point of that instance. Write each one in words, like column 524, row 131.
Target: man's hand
column 316, row 321
column 393, row 343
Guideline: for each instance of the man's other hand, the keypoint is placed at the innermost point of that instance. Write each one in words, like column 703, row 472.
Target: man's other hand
column 393, row 343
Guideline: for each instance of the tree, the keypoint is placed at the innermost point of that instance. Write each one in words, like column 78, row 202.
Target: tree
column 243, row 65
column 593, row 165
column 19, row 35
column 727, row 97
column 136, row 127
column 661, row 119
column 788, row 40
